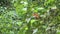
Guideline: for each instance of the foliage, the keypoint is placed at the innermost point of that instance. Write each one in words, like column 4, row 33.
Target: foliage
column 30, row 17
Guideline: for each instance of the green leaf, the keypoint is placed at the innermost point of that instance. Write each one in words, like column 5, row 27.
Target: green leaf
column 32, row 21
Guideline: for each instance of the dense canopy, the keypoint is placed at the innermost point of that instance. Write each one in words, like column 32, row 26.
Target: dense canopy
column 29, row 16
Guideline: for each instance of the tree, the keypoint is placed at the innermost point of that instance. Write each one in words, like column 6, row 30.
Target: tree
column 19, row 17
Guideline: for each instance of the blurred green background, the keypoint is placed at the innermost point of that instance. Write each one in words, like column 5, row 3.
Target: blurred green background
column 29, row 16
